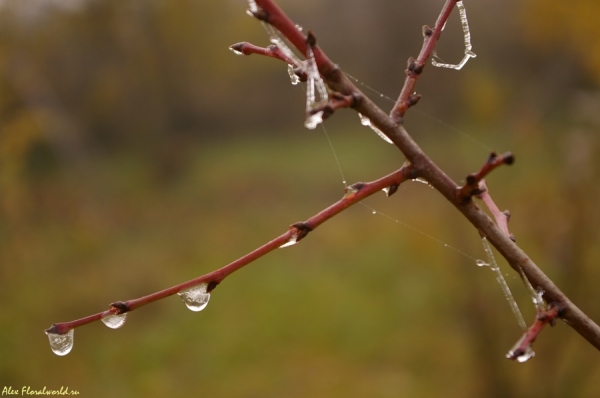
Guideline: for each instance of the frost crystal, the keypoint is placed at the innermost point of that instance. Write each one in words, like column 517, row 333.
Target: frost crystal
column 467, row 36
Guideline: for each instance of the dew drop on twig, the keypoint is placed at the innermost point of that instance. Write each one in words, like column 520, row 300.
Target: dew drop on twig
column 422, row 181
column 365, row 121
column 236, row 52
column 196, row 297
column 527, row 355
column 114, row 321
column 61, row 344
column 292, row 241
column 524, row 357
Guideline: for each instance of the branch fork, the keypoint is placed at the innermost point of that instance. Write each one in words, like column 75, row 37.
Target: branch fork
column 343, row 93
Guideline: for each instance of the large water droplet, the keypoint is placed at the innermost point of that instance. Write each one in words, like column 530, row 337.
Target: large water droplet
column 292, row 241
column 61, row 344
column 115, row 321
column 196, row 297
column 481, row 263
column 313, row 121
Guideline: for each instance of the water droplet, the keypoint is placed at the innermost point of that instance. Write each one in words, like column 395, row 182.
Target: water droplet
column 61, row 344
column 374, row 212
column 422, row 181
column 314, row 120
column 293, row 77
column 481, row 263
column 196, row 297
column 300, row 28
column 236, row 51
column 115, row 321
column 293, row 240
column 365, row 121
column 527, row 355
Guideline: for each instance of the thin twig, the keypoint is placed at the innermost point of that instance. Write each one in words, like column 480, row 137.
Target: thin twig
column 415, row 66
column 355, row 193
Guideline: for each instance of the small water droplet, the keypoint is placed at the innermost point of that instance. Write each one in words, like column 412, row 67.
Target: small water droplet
column 195, row 298
column 314, row 120
column 300, row 28
column 365, row 121
column 374, row 212
column 481, row 263
column 115, row 321
column 527, row 355
column 294, row 79
column 61, row 344
column 293, row 240
column 235, row 51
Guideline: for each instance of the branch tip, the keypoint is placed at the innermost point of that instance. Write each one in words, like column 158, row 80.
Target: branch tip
column 52, row 329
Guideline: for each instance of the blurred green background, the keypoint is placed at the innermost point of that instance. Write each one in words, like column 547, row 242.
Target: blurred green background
column 136, row 152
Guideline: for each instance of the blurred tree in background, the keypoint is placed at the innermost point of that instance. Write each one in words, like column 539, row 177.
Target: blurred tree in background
column 137, row 152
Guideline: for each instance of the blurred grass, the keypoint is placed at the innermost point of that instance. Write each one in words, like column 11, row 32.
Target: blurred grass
column 362, row 306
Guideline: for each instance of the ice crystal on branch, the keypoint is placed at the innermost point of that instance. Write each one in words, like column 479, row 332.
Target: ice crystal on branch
column 467, row 36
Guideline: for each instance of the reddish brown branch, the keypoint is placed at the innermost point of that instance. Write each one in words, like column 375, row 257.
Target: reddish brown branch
column 502, row 217
column 296, row 231
column 541, row 320
column 420, row 166
column 472, row 186
column 415, row 66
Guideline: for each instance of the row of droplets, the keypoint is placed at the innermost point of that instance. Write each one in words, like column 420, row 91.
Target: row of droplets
column 195, row 298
